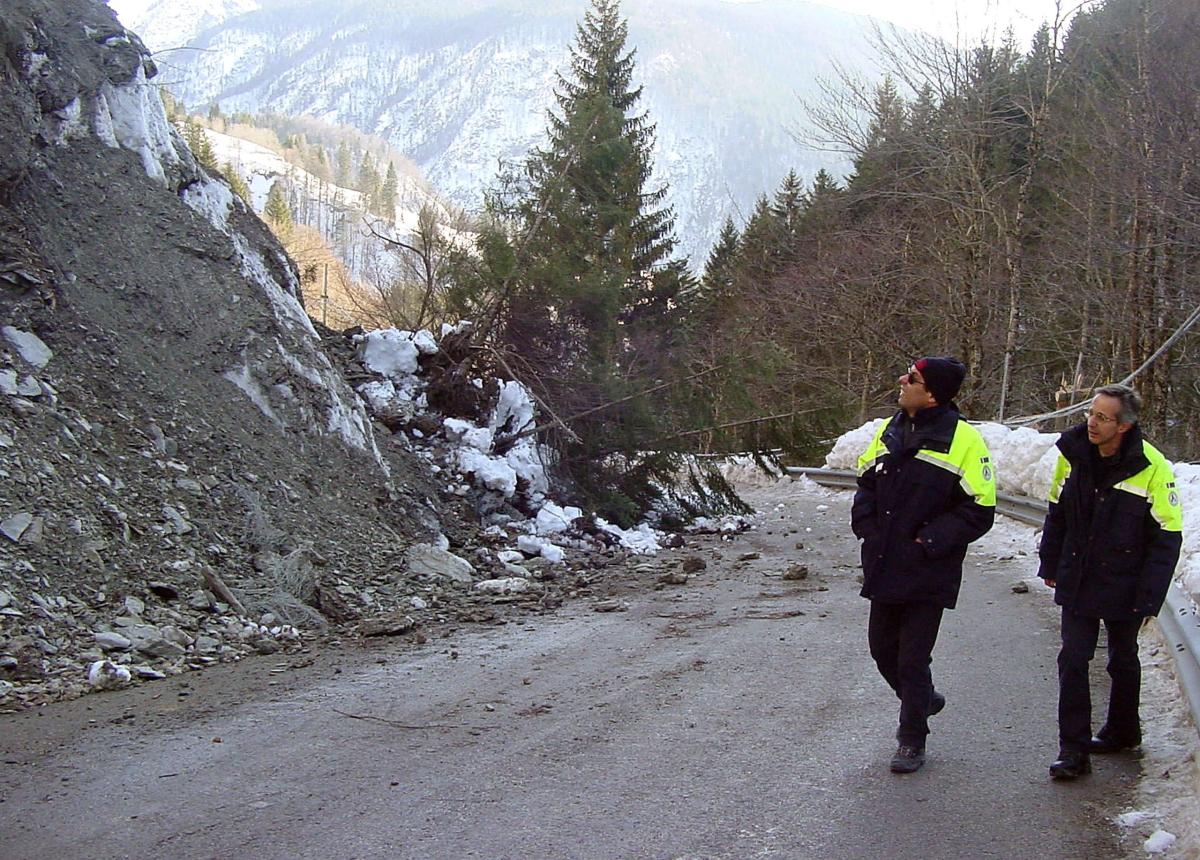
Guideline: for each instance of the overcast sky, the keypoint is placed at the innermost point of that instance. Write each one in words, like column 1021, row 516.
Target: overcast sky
column 970, row 18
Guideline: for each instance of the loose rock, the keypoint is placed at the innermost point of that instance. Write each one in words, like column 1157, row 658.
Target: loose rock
column 796, row 572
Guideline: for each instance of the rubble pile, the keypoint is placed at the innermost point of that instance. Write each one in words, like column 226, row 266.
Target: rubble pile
column 187, row 476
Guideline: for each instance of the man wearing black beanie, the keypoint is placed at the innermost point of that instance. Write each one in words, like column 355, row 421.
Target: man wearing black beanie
column 926, row 489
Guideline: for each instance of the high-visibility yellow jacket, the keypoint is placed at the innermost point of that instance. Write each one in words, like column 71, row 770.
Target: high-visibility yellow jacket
column 1112, row 537
column 926, row 489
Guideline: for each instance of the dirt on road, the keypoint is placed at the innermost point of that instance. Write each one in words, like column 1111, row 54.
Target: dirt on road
column 732, row 715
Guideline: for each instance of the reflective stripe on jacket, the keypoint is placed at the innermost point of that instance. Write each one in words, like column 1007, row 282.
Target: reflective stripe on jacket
column 1111, row 545
column 926, row 489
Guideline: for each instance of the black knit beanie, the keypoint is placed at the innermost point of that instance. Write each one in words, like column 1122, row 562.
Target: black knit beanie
column 943, row 376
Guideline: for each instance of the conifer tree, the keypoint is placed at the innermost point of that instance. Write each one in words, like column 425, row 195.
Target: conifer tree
column 388, row 193
column 344, row 165
column 236, row 184
column 368, row 182
column 198, row 143
column 277, row 211
column 596, row 273
column 604, row 231
column 882, row 155
column 757, row 249
column 787, row 210
column 821, row 205
column 720, row 269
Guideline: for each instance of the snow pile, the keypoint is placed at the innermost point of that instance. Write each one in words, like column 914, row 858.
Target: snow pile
column 495, row 460
column 1159, row 841
column 726, row 525
column 552, row 519
column 106, row 675
column 1025, row 461
column 1133, row 819
column 848, row 447
column 746, row 471
column 1187, row 478
column 390, row 352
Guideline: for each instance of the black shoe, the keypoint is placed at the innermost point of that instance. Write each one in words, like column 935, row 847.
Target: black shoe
column 1070, row 765
column 908, row 759
column 1102, row 744
column 936, row 702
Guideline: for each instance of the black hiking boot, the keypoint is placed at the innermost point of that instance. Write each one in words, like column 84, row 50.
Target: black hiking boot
column 908, row 758
column 1103, row 744
column 936, row 702
column 1070, row 765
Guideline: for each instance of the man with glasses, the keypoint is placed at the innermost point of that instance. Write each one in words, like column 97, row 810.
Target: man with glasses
column 926, row 489
column 1109, row 548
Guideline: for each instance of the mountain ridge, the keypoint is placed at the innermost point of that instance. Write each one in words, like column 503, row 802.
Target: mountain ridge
column 460, row 86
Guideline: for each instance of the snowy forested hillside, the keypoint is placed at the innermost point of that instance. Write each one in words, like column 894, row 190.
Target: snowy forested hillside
column 459, row 85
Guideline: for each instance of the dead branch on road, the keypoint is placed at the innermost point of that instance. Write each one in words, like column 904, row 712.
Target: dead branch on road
column 373, row 719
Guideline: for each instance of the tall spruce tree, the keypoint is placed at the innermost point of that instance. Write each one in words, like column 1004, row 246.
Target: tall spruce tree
column 602, row 232
column 344, row 166
column 721, row 267
column 596, row 267
column 368, row 183
column 758, row 249
column 787, row 210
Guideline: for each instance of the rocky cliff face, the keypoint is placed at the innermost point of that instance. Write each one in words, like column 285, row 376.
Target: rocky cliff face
column 459, row 85
column 184, row 472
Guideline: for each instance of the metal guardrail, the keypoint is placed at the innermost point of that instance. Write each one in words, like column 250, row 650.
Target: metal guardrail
column 1179, row 619
column 1180, row 625
column 1017, row 507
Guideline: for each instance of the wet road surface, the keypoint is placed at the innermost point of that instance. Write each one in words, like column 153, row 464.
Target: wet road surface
column 737, row 716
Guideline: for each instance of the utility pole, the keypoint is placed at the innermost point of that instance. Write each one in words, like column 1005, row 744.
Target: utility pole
column 325, row 297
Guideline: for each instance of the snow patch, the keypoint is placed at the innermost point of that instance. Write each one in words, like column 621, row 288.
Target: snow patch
column 131, row 116
column 533, row 545
column 552, row 519
column 244, row 379
column 1159, row 842
column 848, row 447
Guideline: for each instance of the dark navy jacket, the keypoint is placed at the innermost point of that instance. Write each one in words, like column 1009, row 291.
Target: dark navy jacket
column 930, row 479
column 1112, row 537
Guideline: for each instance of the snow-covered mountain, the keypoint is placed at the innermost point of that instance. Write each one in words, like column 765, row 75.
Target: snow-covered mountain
column 175, row 23
column 458, row 85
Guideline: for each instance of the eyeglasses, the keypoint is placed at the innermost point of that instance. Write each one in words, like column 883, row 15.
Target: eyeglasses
column 911, row 376
column 1100, row 417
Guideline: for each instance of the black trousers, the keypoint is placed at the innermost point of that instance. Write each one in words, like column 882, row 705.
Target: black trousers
column 1079, row 637
column 901, row 637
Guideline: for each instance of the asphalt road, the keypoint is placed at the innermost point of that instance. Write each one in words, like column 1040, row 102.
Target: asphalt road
column 737, row 716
